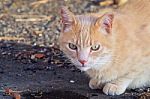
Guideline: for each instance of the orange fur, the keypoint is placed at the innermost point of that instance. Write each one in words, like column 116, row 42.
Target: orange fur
column 124, row 58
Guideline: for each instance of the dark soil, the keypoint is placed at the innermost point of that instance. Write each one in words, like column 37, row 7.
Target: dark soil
column 48, row 77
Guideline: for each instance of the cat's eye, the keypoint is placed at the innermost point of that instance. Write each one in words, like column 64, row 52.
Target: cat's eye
column 95, row 47
column 72, row 46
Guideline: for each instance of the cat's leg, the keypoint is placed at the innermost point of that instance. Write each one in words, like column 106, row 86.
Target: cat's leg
column 117, row 87
column 95, row 83
column 120, row 84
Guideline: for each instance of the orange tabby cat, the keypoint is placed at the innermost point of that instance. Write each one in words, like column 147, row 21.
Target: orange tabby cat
column 112, row 48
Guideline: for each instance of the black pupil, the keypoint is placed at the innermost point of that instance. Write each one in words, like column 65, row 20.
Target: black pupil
column 72, row 46
column 96, row 47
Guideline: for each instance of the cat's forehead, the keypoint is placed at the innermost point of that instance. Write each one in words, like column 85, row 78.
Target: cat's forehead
column 84, row 25
column 86, row 19
column 84, row 33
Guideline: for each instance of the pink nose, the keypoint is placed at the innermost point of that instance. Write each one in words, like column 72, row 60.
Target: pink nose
column 82, row 61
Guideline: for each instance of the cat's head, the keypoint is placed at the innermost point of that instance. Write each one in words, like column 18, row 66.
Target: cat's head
column 86, row 39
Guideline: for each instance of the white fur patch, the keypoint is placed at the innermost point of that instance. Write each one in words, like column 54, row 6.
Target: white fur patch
column 84, row 54
column 101, row 61
column 93, row 63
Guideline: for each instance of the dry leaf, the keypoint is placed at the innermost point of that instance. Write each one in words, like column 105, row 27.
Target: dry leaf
column 106, row 3
column 111, row 2
column 12, row 93
column 121, row 2
column 39, row 56
column 16, row 95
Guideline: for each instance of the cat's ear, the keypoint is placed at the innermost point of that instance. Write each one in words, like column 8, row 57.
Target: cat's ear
column 68, row 18
column 105, row 23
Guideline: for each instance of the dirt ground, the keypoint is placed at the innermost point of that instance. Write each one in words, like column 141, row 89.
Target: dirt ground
column 43, row 73
column 32, row 64
column 34, row 22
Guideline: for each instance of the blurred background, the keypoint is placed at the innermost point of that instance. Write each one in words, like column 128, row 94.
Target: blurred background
column 37, row 22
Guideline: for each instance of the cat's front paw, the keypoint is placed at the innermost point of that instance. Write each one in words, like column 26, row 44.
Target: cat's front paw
column 113, row 89
column 95, row 84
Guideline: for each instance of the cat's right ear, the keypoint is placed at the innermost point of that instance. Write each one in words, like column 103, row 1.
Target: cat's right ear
column 105, row 23
column 68, row 18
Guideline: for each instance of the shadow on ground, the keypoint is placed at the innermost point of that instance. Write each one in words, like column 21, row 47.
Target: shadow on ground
column 44, row 73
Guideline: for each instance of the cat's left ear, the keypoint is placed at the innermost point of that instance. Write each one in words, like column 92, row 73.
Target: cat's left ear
column 105, row 23
column 68, row 18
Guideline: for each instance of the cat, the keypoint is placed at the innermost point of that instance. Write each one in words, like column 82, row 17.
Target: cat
column 113, row 48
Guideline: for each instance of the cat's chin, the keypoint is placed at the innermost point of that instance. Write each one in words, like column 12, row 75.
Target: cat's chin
column 85, row 68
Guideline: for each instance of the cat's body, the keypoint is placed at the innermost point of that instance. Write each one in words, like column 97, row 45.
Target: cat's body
column 113, row 48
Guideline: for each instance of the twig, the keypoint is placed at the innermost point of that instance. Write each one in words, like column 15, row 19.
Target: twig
column 38, row 3
column 11, row 38
column 12, row 91
column 31, row 17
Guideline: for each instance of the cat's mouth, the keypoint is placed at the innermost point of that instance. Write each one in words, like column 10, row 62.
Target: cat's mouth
column 83, row 68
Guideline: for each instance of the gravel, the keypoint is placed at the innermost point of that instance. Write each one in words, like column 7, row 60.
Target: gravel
column 44, row 32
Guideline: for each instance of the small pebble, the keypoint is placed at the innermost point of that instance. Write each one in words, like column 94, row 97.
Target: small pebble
column 72, row 81
column 148, row 90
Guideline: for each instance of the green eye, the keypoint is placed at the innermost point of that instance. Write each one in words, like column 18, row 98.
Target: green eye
column 72, row 46
column 95, row 47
